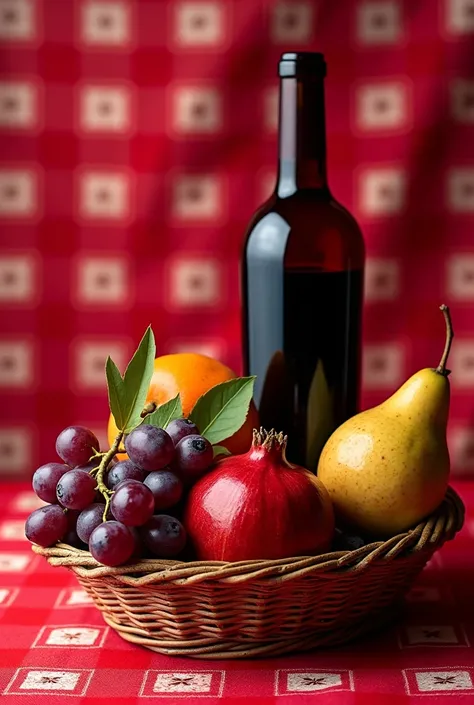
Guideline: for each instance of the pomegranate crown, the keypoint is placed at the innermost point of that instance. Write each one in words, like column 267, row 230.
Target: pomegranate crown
column 269, row 439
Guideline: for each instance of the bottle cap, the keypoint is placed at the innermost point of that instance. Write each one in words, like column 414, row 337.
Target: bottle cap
column 302, row 63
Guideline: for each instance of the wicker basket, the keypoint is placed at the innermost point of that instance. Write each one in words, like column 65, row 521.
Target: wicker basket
column 219, row 610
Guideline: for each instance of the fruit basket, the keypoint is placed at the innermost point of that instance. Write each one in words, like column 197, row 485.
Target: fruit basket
column 214, row 610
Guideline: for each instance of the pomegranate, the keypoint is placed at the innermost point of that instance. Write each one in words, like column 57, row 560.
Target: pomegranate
column 258, row 506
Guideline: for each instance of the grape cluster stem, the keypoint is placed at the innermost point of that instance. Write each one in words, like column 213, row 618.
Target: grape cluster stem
column 102, row 469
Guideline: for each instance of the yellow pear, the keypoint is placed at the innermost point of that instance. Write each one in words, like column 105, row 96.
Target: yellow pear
column 388, row 467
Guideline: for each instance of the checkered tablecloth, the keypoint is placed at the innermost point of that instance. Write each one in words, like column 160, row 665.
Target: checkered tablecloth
column 54, row 643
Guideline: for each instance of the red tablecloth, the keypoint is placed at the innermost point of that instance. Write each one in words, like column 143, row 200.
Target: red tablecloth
column 54, row 643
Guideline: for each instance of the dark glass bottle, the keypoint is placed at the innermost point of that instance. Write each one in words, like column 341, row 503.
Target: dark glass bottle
column 303, row 271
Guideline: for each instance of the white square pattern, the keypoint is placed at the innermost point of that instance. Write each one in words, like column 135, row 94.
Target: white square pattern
column 30, row 681
column 381, row 107
column 105, row 109
column 382, row 366
column 290, row 682
column 462, row 363
column 18, row 193
column 73, row 597
column 199, row 24
column 197, row 110
column 379, row 22
column 436, row 635
column 16, row 363
column 461, row 190
column 211, row 348
column 17, row 20
column 103, row 280
column 311, row 682
column 106, row 23
column 432, row 681
column 382, row 191
column 182, row 683
column 421, row 593
column 459, row 16
column 73, row 636
column 462, row 100
column 196, row 197
column 461, row 447
column 271, row 98
column 195, row 283
column 104, row 196
column 292, row 22
column 79, row 597
column 12, row 530
column 26, row 502
column 14, row 562
column 460, row 276
column 15, row 450
column 382, row 280
column 89, row 362
column 50, row 680
column 18, row 105
column 17, row 278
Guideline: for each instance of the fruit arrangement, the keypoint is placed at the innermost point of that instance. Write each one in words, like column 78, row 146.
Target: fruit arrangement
column 126, row 503
column 168, row 486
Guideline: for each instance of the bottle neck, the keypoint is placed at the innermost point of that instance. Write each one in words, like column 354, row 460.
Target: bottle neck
column 302, row 153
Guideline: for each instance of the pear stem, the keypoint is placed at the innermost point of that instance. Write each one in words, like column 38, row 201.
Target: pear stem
column 441, row 369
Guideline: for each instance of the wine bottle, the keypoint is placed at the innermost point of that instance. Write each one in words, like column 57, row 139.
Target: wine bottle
column 303, row 271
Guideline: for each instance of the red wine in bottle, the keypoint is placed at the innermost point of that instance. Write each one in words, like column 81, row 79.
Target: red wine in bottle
column 303, row 271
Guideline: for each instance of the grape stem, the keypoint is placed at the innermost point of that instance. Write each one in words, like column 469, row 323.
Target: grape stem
column 104, row 463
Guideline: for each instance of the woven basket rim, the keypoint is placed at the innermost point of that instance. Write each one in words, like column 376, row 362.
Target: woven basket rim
column 439, row 527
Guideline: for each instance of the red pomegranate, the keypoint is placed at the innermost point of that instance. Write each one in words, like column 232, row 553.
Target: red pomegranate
column 259, row 506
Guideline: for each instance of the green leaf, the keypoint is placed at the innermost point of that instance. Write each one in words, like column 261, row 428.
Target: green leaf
column 137, row 380
column 165, row 413
column 221, row 450
column 221, row 411
column 116, row 392
column 127, row 394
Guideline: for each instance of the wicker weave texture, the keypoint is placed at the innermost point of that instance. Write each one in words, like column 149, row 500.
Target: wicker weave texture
column 257, row 608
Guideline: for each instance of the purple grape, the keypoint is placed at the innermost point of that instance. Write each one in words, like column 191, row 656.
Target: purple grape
column 72, row 516
column 163, row 535
column 123, row 470
column 167, row 488
column 139, row 550
column 45, row 480
column 179, row 428
column 72, row 539
column 93, row 465
column 46, row 525
column 76, row 445
column 111, row 543
column 132, row 503
column 194, row 455
column 88, row 520
column 149, row 447
column 76, row 489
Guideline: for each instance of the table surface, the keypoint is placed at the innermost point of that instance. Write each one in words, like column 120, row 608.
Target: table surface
column 54, row 643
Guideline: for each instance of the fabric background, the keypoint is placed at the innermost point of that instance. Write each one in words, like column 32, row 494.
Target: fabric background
column 136, row 139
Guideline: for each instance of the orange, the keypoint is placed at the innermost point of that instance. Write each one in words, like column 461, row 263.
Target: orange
column 190, row 375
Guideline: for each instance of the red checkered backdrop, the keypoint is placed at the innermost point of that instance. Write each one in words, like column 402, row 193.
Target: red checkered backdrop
column 136, row 139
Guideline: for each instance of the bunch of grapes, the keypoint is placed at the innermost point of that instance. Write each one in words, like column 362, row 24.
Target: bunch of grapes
column 123, row 510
